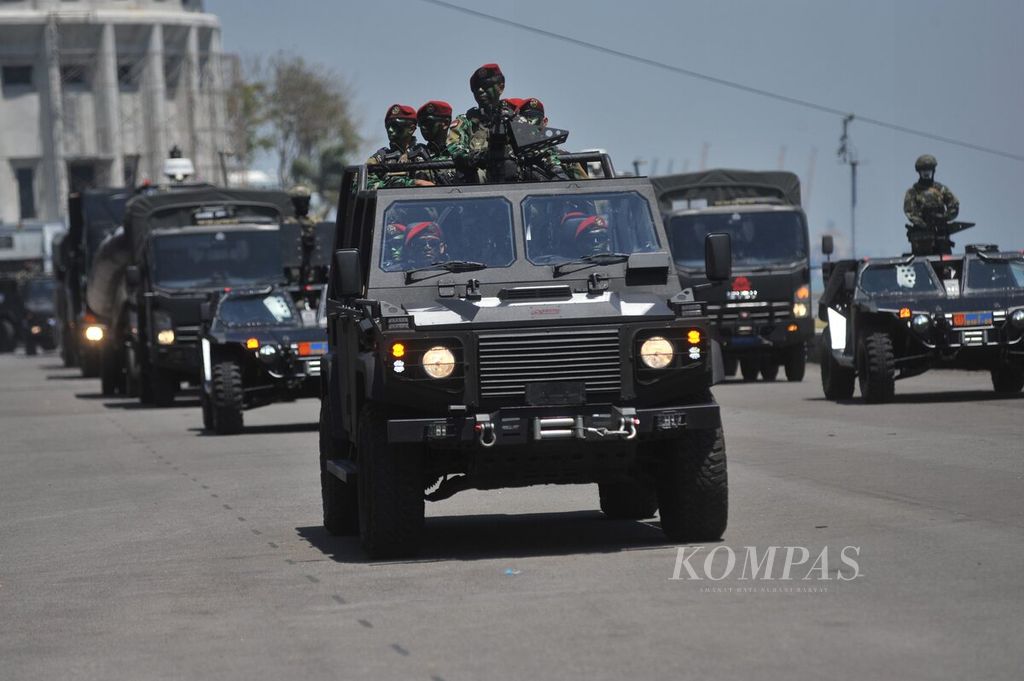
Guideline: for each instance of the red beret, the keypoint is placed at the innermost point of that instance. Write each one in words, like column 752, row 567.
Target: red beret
column 514, row 102
column 572, row 215
column 436, row 108
column 400, row 111
column 530, row 104
column 487, row 71
column 431, row 229
column 594, row 222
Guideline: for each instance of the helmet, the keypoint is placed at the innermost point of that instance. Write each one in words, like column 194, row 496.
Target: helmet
column 926, row 162
column 299, row 191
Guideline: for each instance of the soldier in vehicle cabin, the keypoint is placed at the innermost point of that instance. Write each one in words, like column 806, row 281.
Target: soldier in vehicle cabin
column 424, row 245
column 928, row 203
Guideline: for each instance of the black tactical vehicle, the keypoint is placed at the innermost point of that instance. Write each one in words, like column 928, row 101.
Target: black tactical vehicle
column 893, row 318
column 504, row 335
column 763, row 320
column 183, row 246
column 39, row 315
column 10, row 313
column 258, row 347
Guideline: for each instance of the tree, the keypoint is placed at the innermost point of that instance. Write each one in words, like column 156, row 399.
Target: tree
column 247, row 112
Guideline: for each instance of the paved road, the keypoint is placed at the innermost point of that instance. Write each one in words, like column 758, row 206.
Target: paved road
column 132, row 546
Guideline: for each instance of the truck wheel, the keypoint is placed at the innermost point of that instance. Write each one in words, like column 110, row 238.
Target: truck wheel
column 340, row 501
column 8, row 340
column 749, row 368
column 207, row 409
column 627, row 500
column 162, row 387
column 31, row 348
column 227, row 398
column 110, row 370
column 876, row 367
column 1007, row 379
column 731, row 366
column 796, row 363
column 390, row 485
column 769, row 368
column 693, row 491
column 837, row 381
column 67, row 351
column 89, row 363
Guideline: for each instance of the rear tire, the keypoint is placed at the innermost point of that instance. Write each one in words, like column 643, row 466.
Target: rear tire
column 1007, row 380
column 110, row 371
column 731, row 366
column 390, row 484
column 769, row 368
column 228, row 398
column 876, row 367
column 89, row 362
column 693, row 490
column 837, row 381
column 627, row 500
column 796, row 363
column 749, row 367
column 162, row 387
column 340, row 500
column 207, row 409
column 31, row 348
column 8, row 338
column 67, row 351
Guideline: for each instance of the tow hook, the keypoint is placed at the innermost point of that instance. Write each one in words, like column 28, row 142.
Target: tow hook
column 485, row 431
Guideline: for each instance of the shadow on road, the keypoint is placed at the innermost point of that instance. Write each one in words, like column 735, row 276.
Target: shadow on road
column 932, row 398
column 132, row 403
column 484, row 537
column 276, row 428
column 67, row 377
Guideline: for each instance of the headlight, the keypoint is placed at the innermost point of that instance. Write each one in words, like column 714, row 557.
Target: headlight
column 438, row 362
column 1017, row 318
column 656, row 352
column 921, row 322
column 165, row 337
column 267, row 351
column 36, row 330
column 800, row 310
column 94, row 333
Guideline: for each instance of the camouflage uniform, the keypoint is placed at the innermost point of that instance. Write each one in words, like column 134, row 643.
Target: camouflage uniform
column 433, row 149
column 929, row 202
column 394, row 152
column 531, row 110
column 468, row 138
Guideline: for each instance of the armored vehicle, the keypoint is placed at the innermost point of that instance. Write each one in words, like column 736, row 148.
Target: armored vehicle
column 257, row 347
column 512, row 334
column 763, row 319
column 10, row 313
column 182, row 246
column 39, row 317
column 893, row 318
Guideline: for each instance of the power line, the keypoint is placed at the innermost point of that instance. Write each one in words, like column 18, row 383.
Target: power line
column 723, row 81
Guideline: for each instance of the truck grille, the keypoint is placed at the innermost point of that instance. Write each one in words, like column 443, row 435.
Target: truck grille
column 508, row 362
column 756, row 311
column 186, row 334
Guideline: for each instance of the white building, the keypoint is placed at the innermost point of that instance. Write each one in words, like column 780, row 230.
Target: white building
column 96, row 92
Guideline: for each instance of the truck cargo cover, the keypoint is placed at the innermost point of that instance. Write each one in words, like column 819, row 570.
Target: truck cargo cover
column 722, row 184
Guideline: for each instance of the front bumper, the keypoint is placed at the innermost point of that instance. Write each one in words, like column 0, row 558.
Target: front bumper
column 749, row 336
column 516, row 426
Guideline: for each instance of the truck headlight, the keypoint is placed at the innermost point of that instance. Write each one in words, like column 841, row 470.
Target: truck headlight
column 267, row 352
column 656, row 352
column 1017, row 318
column 921, row 322
column 438, row 362
column 800, row 301
column 165, row 337
column 800, row 310
column 93, row 333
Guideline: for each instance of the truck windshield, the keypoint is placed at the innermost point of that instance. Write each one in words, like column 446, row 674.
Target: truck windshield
column 769, row 238
column 561, row 227
column 994, row 274
column 259, row 310
column 897, row 279
column 422, row 233
column 210, row 259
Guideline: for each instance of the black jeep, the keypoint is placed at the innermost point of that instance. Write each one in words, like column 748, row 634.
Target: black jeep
column 513, row 334
column 893, row 318
column 257, row 347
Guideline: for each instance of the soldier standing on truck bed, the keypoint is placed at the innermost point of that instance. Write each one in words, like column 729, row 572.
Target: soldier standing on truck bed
column 928, row 203
column 468, row 140
column 400, row 123
column 434, row 119
column 300, row 197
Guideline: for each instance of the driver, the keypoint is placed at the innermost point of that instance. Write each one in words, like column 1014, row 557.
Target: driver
column 928, row 203
column 592, row 236
column 424, row 245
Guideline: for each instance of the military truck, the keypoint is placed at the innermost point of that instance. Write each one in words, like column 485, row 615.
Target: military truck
column 182, row 246
column 503, row 335
column 39, row 317
column 257, row 347
column 893, row 318
column 763, row 319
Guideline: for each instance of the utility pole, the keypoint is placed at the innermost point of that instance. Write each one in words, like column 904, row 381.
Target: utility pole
column 637, row 162
column 848, row 156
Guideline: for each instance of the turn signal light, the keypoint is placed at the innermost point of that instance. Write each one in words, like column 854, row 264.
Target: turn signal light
column 803, row 293
column 792, row 328
column 904, row 313
column 252, row 343
column 693, row 336
column 398, row 350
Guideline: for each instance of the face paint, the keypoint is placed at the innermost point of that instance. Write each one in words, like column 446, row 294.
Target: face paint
column 434, row 129
column 927, row 175
column 488, row 94
column 401, row 131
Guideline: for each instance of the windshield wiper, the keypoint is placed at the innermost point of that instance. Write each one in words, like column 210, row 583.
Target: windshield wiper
column 592, row 260
column 447, row 266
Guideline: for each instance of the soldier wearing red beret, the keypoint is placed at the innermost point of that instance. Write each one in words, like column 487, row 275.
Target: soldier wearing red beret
column 400, row 123
column 470, row 132
column 434, row 119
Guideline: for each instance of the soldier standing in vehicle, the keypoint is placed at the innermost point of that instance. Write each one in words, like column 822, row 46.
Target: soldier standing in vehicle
column 400, row 123
column 300, row 197
column 928, row 203
column 468, row 139
column 434, row 119
column 531, row 110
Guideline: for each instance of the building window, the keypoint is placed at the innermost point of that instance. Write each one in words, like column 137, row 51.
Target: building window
column 128, row 76
column 131, row 169
column 74, row 74
column 26, row 178
column 16, row 76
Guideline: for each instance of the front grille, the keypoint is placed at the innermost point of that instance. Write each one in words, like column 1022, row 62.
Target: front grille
column 756, row 311
column 508, row 362
column 313, row 367
column 186, row 334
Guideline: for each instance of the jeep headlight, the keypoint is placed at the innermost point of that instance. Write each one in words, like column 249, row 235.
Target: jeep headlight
column 656, row 352
column 920, row 322
column 93, row 333
column 438, row 362
column 165, row 337
column 1017, row 318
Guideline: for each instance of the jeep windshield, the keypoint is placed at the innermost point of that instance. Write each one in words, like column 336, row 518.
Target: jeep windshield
column 894, row 279
column 762, row 239
column 600, row 228
column 994, row 274
column 420, row 235
column 39, row 295
column 212, row 259
column 274, row 309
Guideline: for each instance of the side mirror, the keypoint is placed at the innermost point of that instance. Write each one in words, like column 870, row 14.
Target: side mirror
column 827, row 247
column 206, row 311
column 348, row 273
column 132, row 276
column 718, row 257
column 849, row 280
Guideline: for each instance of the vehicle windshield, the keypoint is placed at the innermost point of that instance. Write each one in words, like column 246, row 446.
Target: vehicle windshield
column 421, row 233
column 758, row 239
column 560, row 227
column 209, row 259
column 994, row 274
column 39, row 294
column 259, row 310
column 897, row 279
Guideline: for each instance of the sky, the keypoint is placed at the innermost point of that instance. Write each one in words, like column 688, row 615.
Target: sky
column 950, row 68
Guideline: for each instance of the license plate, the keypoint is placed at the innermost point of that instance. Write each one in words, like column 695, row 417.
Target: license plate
column 972, row 319
column 745, row 340
column 556, row 393
column 307, row 349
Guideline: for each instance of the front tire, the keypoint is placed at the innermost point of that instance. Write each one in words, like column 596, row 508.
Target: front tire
column 693, row 490
column 340, row 501
column 731, row 365
column 627, row 500
column 749, row 367
column 391, row 487
column 769, row 368
column 796, row 363
column 876, row 367
column 837, row 381
column 1007, row 380
column 228, row 398
column 110, row 371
